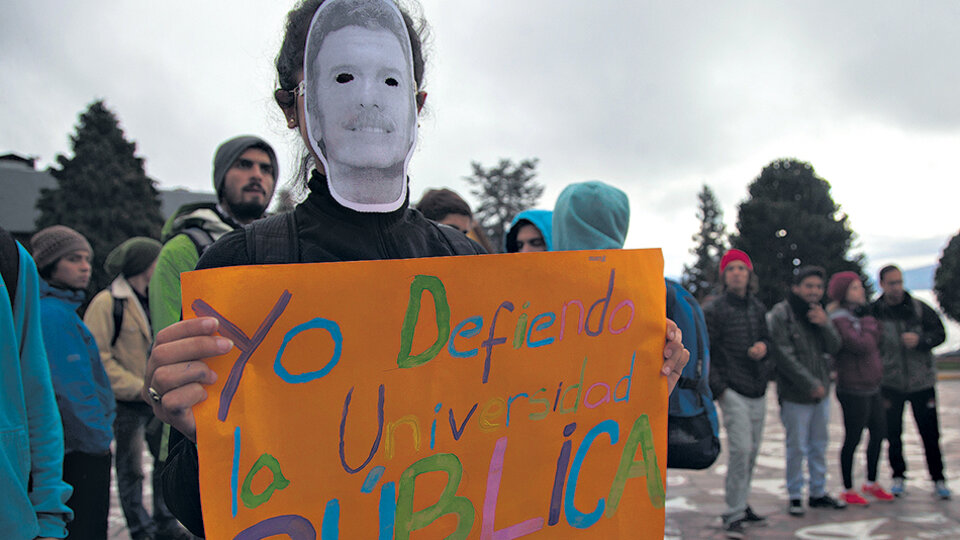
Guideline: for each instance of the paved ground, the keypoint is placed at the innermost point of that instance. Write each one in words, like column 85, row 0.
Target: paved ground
column 695, row 498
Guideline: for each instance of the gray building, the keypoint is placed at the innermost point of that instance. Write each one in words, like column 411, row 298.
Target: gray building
column 21, row 182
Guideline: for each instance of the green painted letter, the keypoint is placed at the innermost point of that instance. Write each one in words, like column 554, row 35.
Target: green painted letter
column 435, row 286
column 408, row 521
column 642, row 436
column 251, row 500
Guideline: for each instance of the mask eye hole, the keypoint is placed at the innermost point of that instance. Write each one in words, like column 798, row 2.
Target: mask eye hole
column 392, row 82
column 344, row 78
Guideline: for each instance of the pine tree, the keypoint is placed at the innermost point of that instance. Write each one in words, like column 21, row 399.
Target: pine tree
column 790, row 220
column 504, row 191
column 946, row 281
column 701, row 279
column 102, row 191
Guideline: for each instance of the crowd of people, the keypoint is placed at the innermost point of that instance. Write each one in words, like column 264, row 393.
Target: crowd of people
column 82, row 396
column 876, row 355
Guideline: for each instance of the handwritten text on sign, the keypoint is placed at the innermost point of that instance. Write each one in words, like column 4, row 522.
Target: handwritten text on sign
column 488, row 397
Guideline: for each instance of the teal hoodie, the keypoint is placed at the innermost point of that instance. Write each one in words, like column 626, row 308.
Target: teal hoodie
column 591, row 215
column 541, row 219
column 31, row 436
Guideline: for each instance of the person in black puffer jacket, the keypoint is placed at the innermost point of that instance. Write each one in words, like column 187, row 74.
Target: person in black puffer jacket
column 740, row 368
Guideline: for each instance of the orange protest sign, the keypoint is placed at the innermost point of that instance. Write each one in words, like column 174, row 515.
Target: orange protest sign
column 492, row 397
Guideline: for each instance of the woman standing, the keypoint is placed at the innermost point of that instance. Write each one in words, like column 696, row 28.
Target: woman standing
column 859, row 371
column 80, row 383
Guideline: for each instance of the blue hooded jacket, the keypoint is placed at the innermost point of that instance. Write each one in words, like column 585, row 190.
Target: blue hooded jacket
column 591, row 215
column 31, row 437
column 80, row 383
column 541, row 219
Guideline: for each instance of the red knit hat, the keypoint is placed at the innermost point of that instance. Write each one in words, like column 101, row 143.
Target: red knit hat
column 735, row 255
column 839, row 283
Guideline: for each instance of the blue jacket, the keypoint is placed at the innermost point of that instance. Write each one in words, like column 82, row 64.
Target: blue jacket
column 79, row 380
column 541, row 219
column 31, row 436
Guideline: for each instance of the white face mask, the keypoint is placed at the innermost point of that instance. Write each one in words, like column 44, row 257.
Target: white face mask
column 360, row 101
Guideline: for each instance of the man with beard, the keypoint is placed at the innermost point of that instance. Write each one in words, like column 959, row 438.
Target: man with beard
column 244, row 175
column 911, row 329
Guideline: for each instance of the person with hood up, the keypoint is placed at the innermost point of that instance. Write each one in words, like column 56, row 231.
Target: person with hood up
column 31, row 448
column 859, row 371
column 80, row 383
column 531, row 230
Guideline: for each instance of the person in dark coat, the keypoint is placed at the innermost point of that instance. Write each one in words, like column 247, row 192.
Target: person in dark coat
column 329, row 227
column 740, row 368
column 911, row 330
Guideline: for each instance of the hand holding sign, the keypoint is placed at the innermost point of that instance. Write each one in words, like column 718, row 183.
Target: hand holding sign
column 177, row 373
column 534, row 395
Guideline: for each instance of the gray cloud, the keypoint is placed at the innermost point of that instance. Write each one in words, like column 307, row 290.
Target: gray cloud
column 654, row 97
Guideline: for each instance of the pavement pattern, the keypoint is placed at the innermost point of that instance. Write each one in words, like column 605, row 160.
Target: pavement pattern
column 695, row 498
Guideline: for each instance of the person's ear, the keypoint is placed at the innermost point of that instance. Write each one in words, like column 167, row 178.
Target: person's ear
column 287, row 101
column 421, row 99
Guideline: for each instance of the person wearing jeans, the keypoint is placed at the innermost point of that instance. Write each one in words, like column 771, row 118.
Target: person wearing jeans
column 805, row 339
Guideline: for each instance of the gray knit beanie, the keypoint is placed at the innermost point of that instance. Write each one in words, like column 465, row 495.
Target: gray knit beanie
column 54, row 242
column 229, row 151
column 133, row 256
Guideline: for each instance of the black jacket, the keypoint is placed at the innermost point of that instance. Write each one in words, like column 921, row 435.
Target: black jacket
column 805, row 351
column 735, row 324
column 328, row 232
column 908, row 370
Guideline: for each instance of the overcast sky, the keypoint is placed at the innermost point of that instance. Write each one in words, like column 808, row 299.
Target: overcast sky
column 656, row 98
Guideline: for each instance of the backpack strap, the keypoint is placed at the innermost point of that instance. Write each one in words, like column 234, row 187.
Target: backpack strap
column 273, row 240
column 117, row 319
column 201, row 239
column 9, row 264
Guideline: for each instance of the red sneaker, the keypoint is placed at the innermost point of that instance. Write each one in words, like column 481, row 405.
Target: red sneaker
column 853, row 498
column 877, row 492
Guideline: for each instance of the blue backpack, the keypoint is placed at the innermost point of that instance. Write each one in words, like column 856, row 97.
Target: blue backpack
column 693, row 433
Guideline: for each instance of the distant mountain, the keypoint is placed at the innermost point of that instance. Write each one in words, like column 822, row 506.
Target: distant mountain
column 919, row 279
